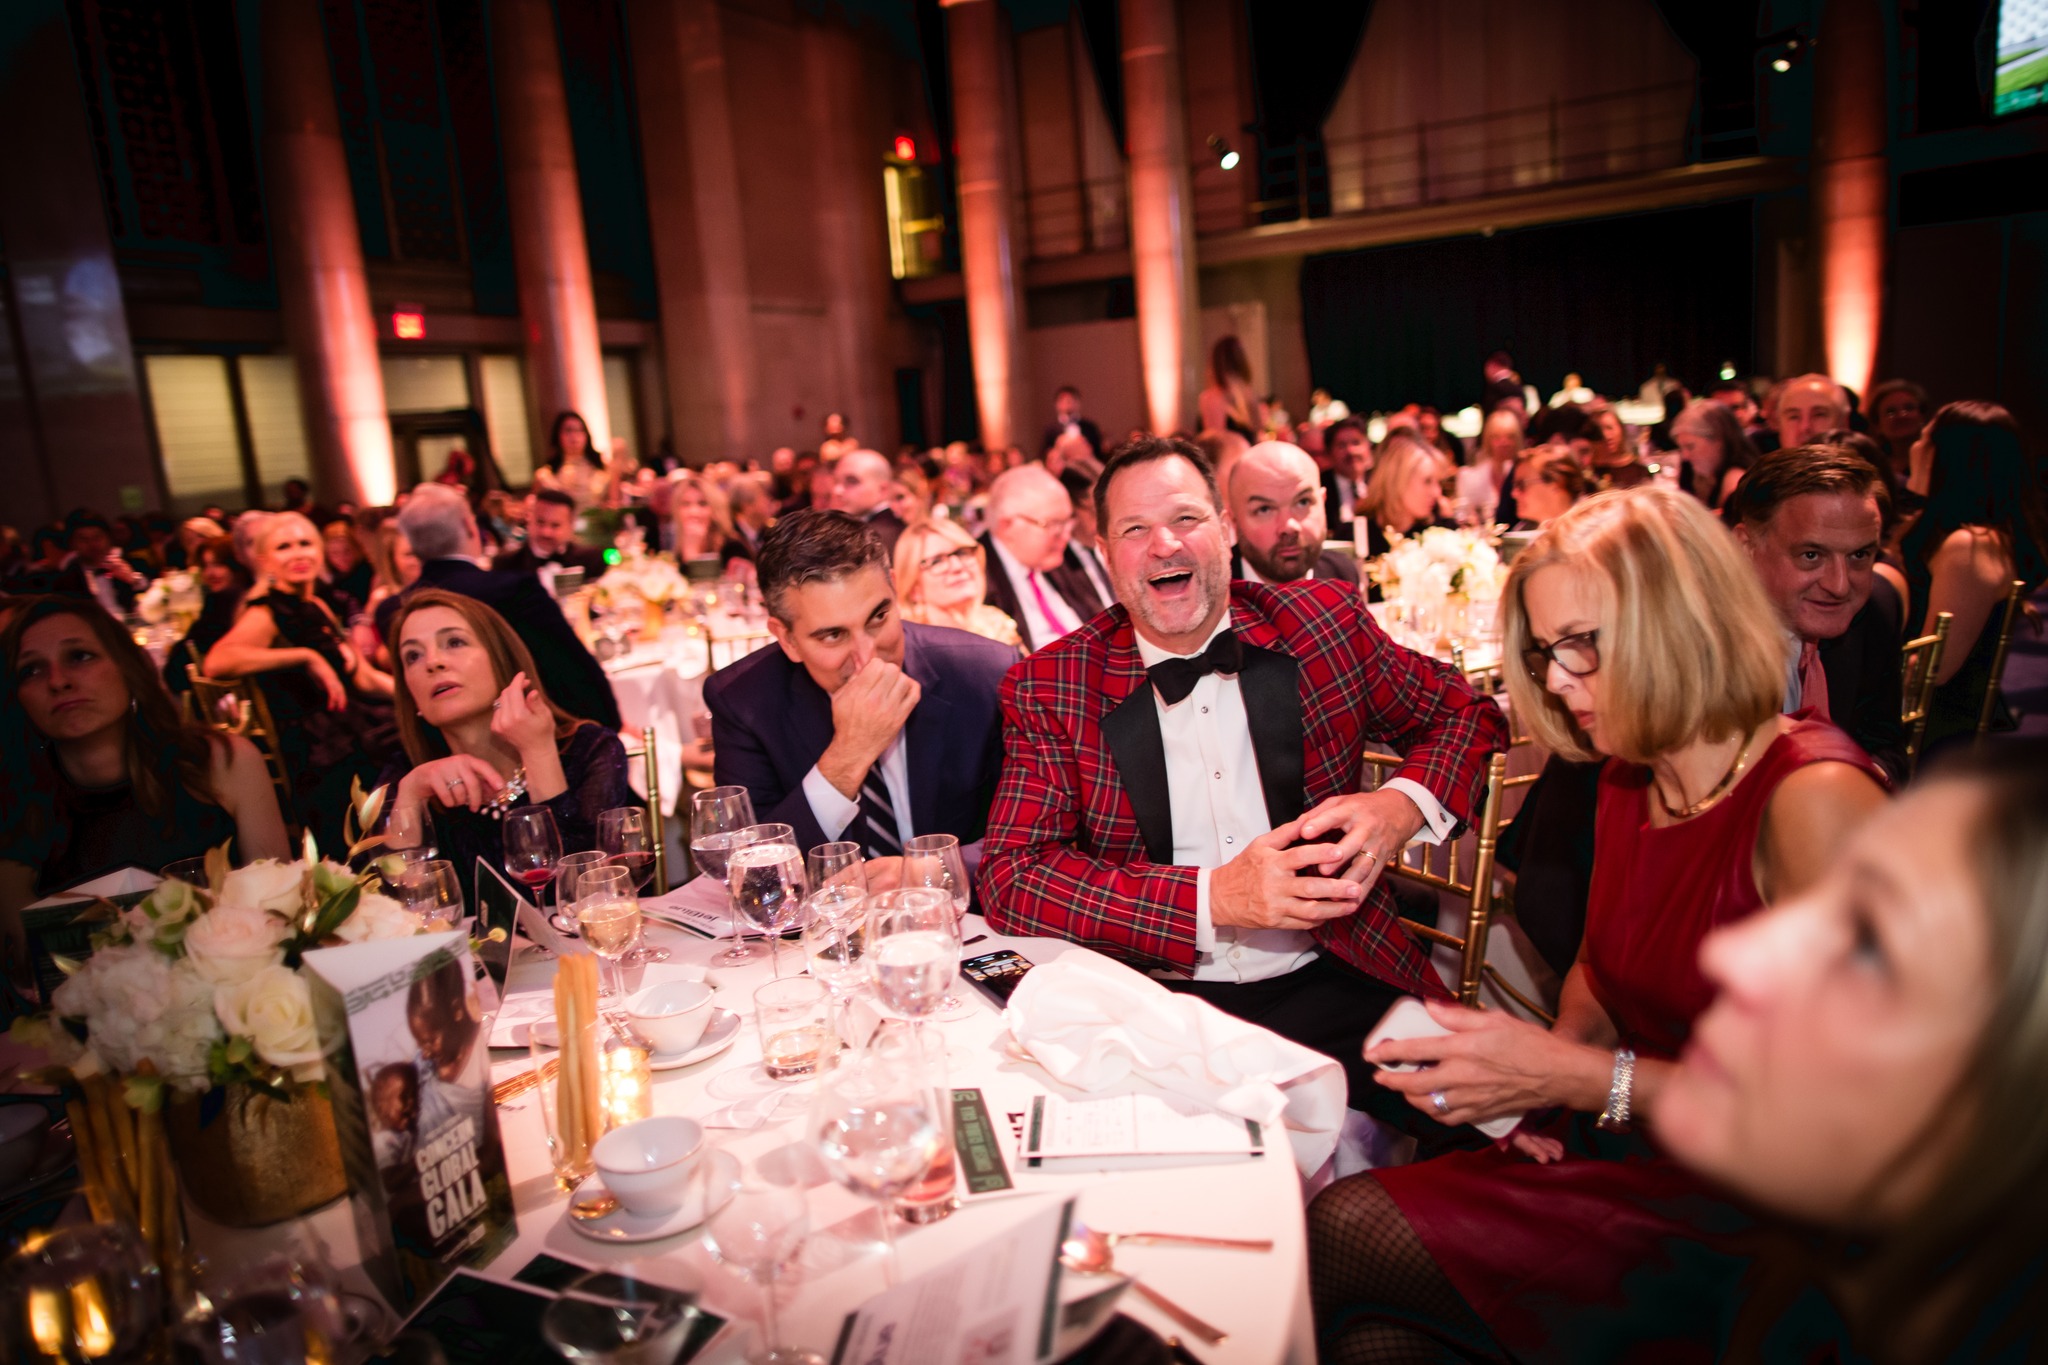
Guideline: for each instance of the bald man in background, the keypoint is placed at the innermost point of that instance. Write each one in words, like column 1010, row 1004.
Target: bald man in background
column 1807, row 406
column 1273, row 501
column 861, row 483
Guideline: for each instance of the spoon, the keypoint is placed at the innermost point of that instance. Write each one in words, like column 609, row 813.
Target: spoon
column 590, row 1210
column 1080, row 1255
column 1100, row 1244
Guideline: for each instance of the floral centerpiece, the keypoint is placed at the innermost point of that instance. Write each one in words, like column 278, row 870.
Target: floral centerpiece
column 192, row 1003
column 1437, row 576
column 643, row 582
column 174, row 596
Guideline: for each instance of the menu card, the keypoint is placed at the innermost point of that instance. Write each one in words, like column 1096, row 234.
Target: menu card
column 701, row 905
column 1133, row 1125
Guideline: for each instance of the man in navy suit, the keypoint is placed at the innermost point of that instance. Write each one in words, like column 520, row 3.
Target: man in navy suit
column 860, row 727
column 441, row 528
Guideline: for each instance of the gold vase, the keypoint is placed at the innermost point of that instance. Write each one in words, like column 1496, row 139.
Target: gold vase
column 653, row 620
column 260, row 1160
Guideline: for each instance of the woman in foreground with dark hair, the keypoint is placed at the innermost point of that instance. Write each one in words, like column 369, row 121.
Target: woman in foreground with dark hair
column 481, row 738
column 102, row 771
column 1873, row 1066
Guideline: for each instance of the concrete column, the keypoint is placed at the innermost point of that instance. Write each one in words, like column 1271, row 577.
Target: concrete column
column 1162, row 230
column 324, row 294
column 1851, row 186
column 72, row 432
column 983, row 133
column 550, row 257
column 700, row 250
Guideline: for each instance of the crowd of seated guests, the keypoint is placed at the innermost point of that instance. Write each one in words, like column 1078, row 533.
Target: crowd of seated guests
column 1702, row 630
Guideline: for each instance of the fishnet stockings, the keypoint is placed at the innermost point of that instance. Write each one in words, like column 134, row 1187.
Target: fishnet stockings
column 1379, row 1297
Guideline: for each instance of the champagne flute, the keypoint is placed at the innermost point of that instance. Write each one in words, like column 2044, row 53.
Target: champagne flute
column 433, row 891
column 609, row 914
column 935, row 861
column 533, row 847
column 875, row 1130
column 623, row 838
column 718, row 815
column 837, row 862
column 767, row 879
column 760, row 1232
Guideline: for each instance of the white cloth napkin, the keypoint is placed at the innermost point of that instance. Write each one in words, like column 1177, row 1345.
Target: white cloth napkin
column 1091, row 1022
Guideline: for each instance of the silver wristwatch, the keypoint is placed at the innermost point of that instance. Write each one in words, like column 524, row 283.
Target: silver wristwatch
column 1620, row 1091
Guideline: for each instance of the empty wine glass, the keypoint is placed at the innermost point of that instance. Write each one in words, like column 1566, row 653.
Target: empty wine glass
column 615, row 1316
column 835, row 935
column 935, row 861
column 875, row 1128
column 84, row 1293
column 767, row 878
column 433, row 891
column 609, row 914
column 623, row 838
column 760, row 1233
column 533, row 847
column 837, row 862
column 276, row 1310
column 718, row 818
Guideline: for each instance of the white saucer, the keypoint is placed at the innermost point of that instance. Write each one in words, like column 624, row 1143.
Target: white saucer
column 719, row 1034
column 709, row 1190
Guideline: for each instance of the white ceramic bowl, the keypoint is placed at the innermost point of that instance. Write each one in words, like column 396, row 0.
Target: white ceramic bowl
column 672, row 1016
column 647, row 1163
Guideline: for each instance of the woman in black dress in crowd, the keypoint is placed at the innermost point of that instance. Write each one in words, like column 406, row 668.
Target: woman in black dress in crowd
column 223, row 583
column 99, row 770
column 331, row 706
column 481, row 738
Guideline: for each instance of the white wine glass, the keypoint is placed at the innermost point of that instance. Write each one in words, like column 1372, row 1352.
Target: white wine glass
column 719, row 817
column 608, row 912
column 759, row 1233
column 766, row 875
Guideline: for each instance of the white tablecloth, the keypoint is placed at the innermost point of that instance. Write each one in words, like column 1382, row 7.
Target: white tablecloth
column 660, row 687
column 1260, row 1299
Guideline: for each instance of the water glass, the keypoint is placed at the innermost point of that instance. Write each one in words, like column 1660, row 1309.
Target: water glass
column 276, row 1310
column 191, row 871
column 83, row 1293
column 913, row 949
column 760, row 1233
column 766, row 875
column 837, row 862
column 718, row 818
column 794, row 1035
column 931, row 1198
column 935, row 861
column 875, row 1129
column 615, row 1316
column 433, row 891
column 835, row 936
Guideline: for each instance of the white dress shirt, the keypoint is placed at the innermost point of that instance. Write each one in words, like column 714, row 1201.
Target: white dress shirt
column 1219, row 806
column 1041, row 629
column 834, row 811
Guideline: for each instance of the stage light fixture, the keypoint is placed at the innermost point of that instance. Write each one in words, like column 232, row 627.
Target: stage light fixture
column 1226, row 155
column 1788, row 48
column 409, row 324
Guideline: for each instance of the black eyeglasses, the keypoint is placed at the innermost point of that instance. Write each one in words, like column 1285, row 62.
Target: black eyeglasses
column 960, row 556
column 1578, row 655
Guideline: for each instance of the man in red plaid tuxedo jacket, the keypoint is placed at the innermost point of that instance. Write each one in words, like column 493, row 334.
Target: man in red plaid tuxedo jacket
column 1209, row 825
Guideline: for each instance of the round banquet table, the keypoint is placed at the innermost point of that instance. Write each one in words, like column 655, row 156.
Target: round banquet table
column 1260, row 1299
column 659, row 686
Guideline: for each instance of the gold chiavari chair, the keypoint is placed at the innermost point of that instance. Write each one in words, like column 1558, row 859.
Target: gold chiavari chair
column 1920, row 661
column 657, row 832
column 1474, row 883
column 2015, row 596
column 237, row 706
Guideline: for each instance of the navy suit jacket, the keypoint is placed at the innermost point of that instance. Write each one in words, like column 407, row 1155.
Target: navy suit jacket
column 569, row 673
column 770, row 723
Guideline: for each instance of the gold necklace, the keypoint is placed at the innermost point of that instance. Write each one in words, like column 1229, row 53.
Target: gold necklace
column 1721, row 788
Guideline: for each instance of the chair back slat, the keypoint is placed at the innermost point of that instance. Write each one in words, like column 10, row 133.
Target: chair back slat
column 2014, row 596
column 647, row 751
column 1920, row 661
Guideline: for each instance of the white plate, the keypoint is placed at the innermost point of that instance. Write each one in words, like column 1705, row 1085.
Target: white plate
column 719, row 1034
column 710, row 1189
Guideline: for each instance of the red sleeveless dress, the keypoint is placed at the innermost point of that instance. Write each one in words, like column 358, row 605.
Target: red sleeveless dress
column 1616, row 1252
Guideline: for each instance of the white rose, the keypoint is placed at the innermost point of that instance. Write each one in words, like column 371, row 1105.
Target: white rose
column 1443, row 545
column 378, row 917
column 232, row 943
column 274, row 1011
column 267, row 885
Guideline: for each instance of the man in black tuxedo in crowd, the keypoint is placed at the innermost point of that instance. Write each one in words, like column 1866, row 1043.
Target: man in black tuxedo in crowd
column 550, row 540
column 441, row 529
column 862, row 481
column 1274, row 502
column 1068, row 421
column 1033, row 572
column 1811, row 518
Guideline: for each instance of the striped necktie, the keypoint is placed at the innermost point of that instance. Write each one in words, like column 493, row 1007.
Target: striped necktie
column 878, row 817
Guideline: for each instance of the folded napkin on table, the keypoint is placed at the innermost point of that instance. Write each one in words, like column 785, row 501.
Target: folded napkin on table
column 1091, row 1022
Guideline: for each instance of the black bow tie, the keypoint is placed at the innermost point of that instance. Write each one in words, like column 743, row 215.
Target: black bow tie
column 1175, row 678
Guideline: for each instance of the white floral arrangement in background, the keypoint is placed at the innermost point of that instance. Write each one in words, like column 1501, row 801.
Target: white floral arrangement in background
column 177, row 590
column 645, row 577
column 1438, row 564
column 203, row 983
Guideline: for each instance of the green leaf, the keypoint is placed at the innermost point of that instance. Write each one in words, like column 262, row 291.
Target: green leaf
column 334, row 911
column 145, row 1094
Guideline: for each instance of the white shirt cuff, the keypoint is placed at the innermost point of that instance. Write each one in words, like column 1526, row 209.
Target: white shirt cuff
column 1205, row 929
column 1437, row 823
column 829, row 807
